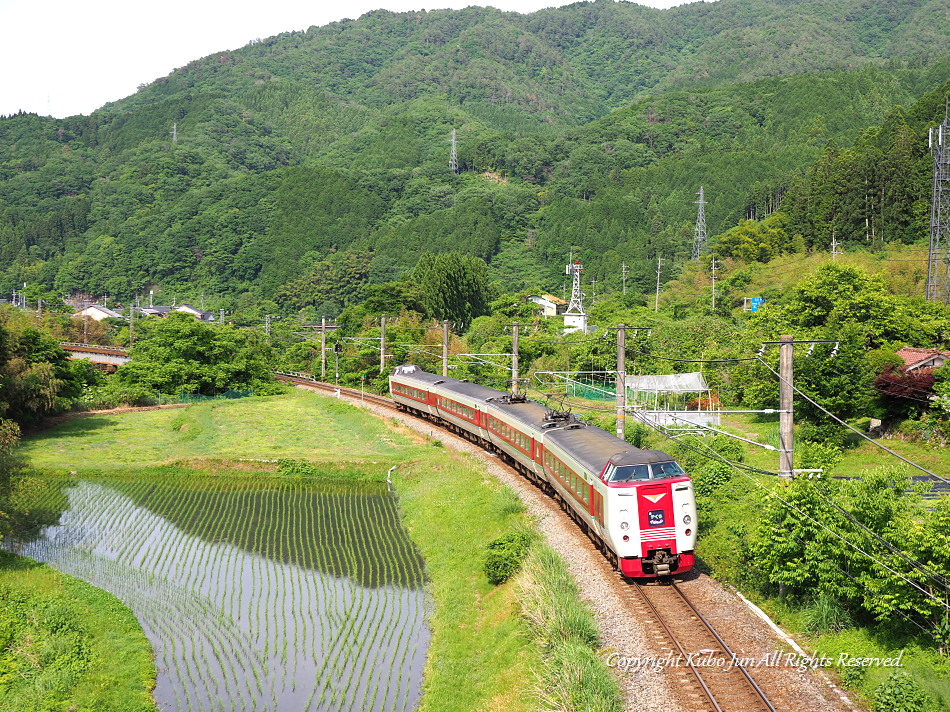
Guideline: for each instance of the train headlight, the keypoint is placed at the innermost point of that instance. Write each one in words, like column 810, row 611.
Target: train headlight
column 624, row 525
column 687, row 519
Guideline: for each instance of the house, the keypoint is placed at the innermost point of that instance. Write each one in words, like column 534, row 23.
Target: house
column 916, row 359
column 197, row 313
column 97, row 312
column 550, row 305
column 162, row 312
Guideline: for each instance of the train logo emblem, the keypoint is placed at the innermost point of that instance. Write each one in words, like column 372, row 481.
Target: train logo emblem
column 655, row 497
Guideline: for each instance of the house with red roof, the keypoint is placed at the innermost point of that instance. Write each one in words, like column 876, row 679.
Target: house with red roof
column 917, row 359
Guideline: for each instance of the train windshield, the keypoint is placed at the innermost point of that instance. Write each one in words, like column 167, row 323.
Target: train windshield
column 642, row 473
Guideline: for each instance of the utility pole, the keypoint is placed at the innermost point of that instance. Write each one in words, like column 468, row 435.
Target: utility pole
column 834, row 247
column 659, row 266
column 445, row 348
column 174, row 133
column 382, row 344
column 621, row 380
column 323, row 348
column 623, row 275
column 267, row 324
column 786, row 418
column 514, row 358
column 713, row 267
column 131, row 325
column 938, row 264
column 221, row 316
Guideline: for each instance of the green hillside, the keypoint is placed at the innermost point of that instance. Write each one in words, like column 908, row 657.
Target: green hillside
column 322, row 155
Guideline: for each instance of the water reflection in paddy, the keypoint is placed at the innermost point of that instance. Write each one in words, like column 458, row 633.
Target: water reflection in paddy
column 255, row 595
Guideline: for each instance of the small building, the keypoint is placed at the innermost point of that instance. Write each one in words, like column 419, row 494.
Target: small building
column 917, row 359
column 550, row 305
column 162, row 312
column 97, row 312
column 197, row 313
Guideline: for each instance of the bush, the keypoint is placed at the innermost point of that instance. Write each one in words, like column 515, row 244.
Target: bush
column 711, row 477
column 900, row 693
column 505, row 555
column 636, row 434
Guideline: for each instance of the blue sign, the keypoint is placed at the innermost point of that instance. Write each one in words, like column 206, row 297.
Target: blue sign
column 755, row 302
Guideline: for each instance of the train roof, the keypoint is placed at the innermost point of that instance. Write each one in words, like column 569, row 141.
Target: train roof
column 593, row 448
column 524, row 411
column 453, row 385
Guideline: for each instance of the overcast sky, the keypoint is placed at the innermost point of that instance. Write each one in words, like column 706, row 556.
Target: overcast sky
column 64, row 58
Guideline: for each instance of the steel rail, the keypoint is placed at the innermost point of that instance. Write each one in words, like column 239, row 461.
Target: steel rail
column 727, row 653
column 685, row 655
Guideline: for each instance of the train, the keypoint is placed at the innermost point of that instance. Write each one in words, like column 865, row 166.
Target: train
column 636, row 505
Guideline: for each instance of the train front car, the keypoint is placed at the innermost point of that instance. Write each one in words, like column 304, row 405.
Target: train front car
column 650, row 514
column 639, row 502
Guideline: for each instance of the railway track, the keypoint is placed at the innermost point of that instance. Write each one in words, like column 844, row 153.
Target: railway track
column 308, row 381
column 708, row 674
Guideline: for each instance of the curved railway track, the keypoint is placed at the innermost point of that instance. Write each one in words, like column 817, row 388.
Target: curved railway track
column 716, row 680
column 709, row 676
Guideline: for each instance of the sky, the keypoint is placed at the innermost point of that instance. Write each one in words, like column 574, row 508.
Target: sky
column 61, row 58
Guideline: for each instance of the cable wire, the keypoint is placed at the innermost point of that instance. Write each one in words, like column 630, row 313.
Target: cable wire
column 849, row 427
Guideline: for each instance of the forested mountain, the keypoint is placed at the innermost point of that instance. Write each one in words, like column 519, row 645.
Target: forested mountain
column 304, row 166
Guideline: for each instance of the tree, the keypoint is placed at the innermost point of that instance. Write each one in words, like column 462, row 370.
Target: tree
column 454, row 287
column 182, row 354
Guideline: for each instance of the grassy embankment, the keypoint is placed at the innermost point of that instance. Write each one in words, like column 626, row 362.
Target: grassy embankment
column 66, row 645
column 482, row 655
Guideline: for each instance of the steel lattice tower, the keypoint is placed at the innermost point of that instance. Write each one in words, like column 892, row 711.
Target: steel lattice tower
column 699, row 232
column 938, row 267
column 576, row 305
column 453, row 156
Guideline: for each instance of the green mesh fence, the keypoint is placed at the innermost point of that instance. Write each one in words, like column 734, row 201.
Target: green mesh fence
column 227, row 395
column 591, row 391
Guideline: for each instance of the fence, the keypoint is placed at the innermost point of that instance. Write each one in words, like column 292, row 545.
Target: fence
column 227, row 395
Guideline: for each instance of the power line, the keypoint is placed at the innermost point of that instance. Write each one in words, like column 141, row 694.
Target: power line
column 849, row 427
column 789, row 505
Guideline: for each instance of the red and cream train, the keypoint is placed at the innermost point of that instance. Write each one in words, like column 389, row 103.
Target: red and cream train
column 636, row 505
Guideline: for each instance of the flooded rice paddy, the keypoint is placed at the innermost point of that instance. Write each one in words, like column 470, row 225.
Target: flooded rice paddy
column 255, row 595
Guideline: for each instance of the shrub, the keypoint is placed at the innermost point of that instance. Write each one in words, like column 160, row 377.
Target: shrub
column 505, row 555
column 636, row 434
column 900, row 693
column 711, row 477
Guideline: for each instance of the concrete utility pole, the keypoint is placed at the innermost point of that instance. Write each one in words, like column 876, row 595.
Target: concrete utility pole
column 514, row 358
column 623, row 275
column 382, row 343
column 786, row 418
column 445, row 347
column 659, row 266
column 323, row 348
column 621, row 380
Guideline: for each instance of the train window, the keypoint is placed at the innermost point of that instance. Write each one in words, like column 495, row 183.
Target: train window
column 663, row 470
column 630, row 473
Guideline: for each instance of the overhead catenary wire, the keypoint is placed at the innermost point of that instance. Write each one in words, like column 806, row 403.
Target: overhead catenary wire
column 718, row 456
column 850, row 427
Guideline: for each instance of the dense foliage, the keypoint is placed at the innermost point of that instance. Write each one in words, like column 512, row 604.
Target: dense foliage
column 312, row 164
